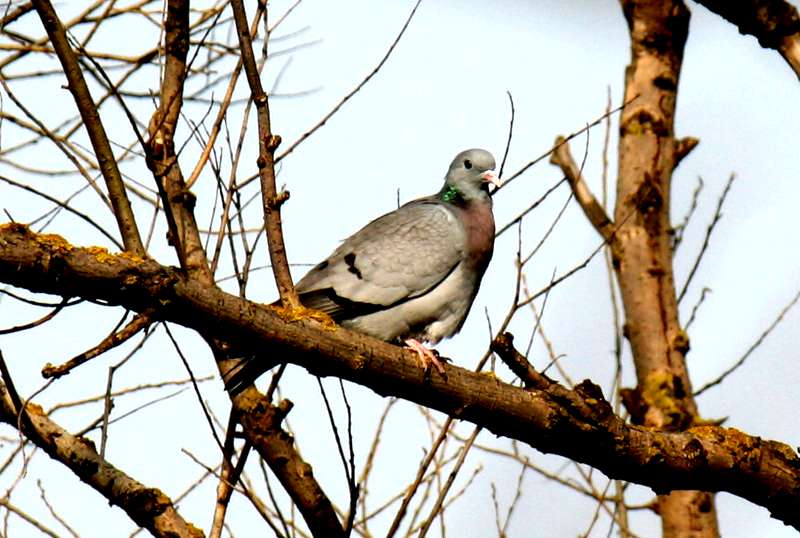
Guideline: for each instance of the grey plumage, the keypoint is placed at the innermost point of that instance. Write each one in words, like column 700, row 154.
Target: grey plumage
column 412, row 273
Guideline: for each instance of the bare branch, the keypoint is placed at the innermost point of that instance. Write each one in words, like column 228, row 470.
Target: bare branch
column 267, row 144
column 710, row 230
column 562, row 157
column 148, row 507
column 116, row 338
column 704, row 457
column 775, row 23
column 94, row 127
column 354, row 91
column 752, row 348
column 597, row 121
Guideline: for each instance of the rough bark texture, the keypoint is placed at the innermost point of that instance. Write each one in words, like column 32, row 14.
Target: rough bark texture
column 577, row 424
column 775, row 23
column 263, row 422
column 648, row 154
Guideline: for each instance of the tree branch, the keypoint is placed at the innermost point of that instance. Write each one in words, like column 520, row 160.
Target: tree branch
column 775, row 23
column 267, row 144
column 576, row 424
column 562, row 158
column 262, row 422
column 94, row 128
column 148, row 507
column 160, row 149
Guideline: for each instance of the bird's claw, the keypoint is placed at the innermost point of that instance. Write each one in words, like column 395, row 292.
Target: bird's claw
column 426, row 356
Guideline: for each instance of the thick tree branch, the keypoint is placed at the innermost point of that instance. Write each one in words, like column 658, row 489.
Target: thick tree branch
column 562, row 158
column 262, row 422
column 148, row 507
column 775, row 23
column 94, row 127
column 575, row 424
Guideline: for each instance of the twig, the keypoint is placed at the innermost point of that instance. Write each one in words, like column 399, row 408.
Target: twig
column 255, row 501
column 752, row 348
column 223, row 109
column 437, row 506
column 709, row 231
column 52, row 510
column 597, row 121
column 336, row 436
column 705, row 291
column 229, row 475
column 275, row 504
column 680, row 229
column 11, row 389
column 551, row 352
column 107, row 399
column 510, row 135
column 24, row 516
column 353, row 486
column 514, row 502
column 369, row 462
column 195, row 387
column 116, row 338
column 421, row 470
column 549, row 231
column 354, row 91
column 44, row 319
column 530, row 208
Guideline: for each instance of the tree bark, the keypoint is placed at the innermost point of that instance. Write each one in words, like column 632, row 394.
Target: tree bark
column 648, row 154
column 577, row 424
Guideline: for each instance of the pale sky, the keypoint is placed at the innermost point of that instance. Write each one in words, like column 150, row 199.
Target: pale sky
column 444, row 90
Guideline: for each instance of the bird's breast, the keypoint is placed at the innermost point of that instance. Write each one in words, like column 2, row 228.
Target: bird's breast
column 478, row 223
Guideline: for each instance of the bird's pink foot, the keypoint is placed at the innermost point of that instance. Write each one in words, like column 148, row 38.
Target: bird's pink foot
column 426, row 356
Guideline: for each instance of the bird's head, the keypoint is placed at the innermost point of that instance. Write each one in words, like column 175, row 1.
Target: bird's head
column 469, row 176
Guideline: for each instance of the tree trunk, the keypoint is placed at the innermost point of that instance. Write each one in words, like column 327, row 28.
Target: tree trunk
column 648, row 153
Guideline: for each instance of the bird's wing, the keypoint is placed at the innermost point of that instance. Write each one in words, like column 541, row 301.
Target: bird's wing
column 399, row 256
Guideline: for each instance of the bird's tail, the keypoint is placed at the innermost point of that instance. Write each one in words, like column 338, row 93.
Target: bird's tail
column 245, row 373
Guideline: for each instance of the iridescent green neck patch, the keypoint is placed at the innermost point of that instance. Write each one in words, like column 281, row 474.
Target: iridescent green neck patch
column 450, row 194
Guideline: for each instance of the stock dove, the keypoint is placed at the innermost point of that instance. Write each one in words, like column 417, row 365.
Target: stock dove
column 411, row 275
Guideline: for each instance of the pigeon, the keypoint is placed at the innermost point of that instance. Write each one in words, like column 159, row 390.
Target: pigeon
column 410, row 276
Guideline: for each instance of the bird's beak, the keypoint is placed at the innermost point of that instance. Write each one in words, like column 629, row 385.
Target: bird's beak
column 490, row 177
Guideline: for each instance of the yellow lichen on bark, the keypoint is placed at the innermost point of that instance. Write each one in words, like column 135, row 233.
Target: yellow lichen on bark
column 658, row 390
column 15, row 227
column 53, row 242
column 301, row 312
column 101, row 254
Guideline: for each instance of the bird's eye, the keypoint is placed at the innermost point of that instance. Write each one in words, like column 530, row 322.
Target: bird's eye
column 467, row 164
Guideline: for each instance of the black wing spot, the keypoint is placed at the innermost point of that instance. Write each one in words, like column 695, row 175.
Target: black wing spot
column 350, row 260
column 321, row 265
